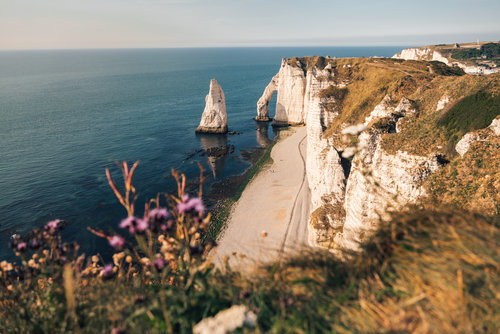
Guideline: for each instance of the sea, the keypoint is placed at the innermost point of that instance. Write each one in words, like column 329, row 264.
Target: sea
column 67, row 115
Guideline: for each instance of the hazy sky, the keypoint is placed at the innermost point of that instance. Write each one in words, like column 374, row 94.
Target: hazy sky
column 42, row 24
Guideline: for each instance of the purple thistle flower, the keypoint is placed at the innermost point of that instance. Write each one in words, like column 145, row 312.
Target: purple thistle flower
column 142, row 225
column 117, row 242
column 160, row 263
column 107, row 271
column 159, row 214
column 182, row 207
column 127, row 222
column 130, row 223
column 194, row 203
column 197, row 204
column 34, row 244
column 53, row 225
column 21, row 246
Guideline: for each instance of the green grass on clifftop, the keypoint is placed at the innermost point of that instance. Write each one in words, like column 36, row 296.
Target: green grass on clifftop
column 473, row 112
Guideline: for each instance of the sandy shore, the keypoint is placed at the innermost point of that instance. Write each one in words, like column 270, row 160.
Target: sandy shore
column 276, row 201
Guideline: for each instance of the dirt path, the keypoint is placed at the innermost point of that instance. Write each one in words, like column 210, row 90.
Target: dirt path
column 275, row 202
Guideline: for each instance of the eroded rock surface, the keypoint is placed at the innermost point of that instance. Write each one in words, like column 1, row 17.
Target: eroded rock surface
column 214, row 117
column 464, row 144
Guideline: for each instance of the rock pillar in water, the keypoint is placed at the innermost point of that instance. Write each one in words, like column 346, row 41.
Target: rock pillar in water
column 214, row 118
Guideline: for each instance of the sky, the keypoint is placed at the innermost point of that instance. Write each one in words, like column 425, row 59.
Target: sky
column 70, row 24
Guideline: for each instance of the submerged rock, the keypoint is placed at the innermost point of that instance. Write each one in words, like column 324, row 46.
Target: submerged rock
column 214, row 117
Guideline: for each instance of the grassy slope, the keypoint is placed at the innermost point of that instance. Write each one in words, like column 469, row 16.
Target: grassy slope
column 474, row 100
column 424, row 271
column 471, row 181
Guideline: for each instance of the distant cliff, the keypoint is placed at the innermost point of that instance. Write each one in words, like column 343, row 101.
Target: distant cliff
column 473, row 58
column 409, row 115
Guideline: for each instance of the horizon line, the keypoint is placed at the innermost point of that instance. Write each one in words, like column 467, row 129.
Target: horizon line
column 211, row 47
column 234, row 47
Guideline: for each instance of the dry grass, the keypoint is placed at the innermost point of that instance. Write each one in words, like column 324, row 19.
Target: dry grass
column 436, row 272
column 433, row 271
column 471, row 181
column 427, row 133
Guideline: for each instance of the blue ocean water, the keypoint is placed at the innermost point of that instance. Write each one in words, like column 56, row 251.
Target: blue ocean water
column 66, row 115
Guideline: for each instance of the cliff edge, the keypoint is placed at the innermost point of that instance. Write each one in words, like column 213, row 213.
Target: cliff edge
column 378, row 132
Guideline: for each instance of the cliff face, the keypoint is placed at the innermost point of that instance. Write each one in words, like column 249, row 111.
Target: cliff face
column 434, row 53
column 290, row 82
column 353, row 175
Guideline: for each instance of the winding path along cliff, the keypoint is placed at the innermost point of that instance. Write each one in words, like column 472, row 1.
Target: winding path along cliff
column 276, row 202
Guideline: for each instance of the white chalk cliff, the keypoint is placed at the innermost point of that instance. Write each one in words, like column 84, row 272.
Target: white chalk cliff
column 353, row 199
column 430, row 55
column 290, row 82
column 214, row 117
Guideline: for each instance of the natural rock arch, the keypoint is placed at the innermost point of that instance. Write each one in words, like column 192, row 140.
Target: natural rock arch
column 290, row 83
column 263, row 103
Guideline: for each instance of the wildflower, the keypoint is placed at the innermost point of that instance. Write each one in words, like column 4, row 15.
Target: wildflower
column 32, row 263
column 117, row 258
column 34, row 244
column 145, row 261
column 160, row 263
column 194, row 203
column 142, row 225
column 21, row 246
column 182, row 207
column 197, row 204
column 129, row 223
column 117, row 242
column 107, row 272
column 6, row 266
column 134, row 224
column 95, row 258
column 117, row 331
column 159, row 214
column 53, row 224
column 128, row 259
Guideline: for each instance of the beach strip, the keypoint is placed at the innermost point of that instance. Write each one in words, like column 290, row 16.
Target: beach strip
column 270, row 218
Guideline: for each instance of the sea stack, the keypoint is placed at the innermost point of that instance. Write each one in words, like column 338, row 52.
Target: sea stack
column 214, row 118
